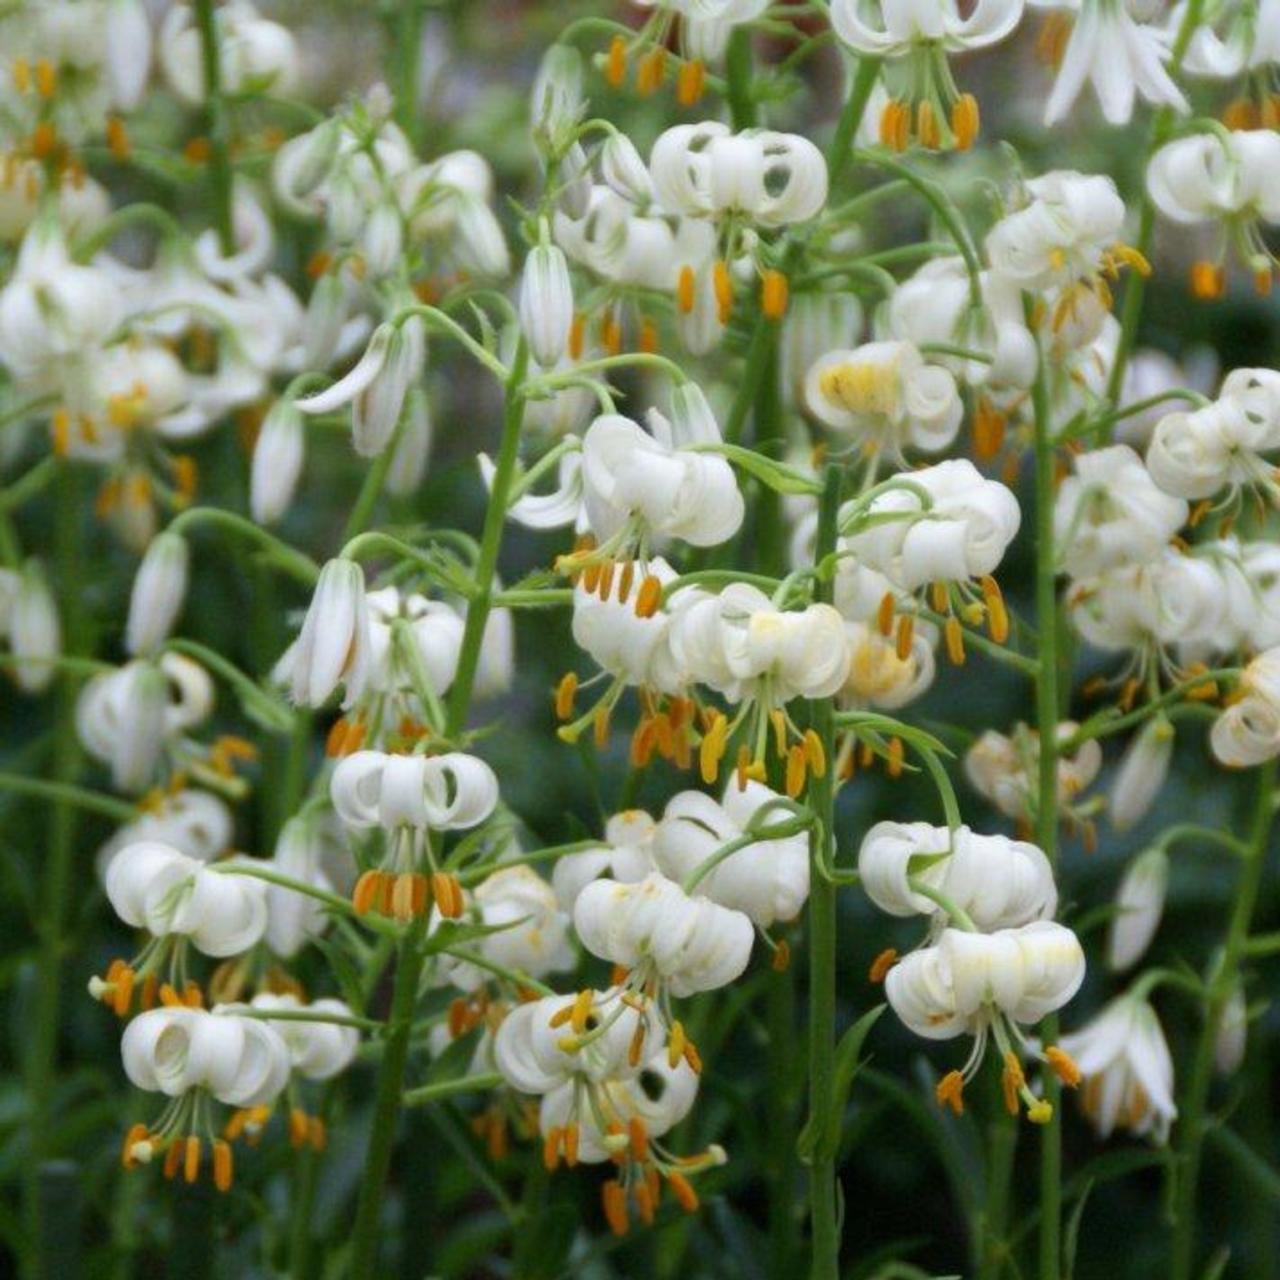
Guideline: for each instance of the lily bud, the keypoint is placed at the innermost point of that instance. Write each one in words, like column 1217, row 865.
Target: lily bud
column 1231, row 1040
column 35, row 633
column 546, row 303
column 333, row 647
column 1142, row 773
column 556, row 101
column 277, row 462
column 1139, row 906
column 159, row 590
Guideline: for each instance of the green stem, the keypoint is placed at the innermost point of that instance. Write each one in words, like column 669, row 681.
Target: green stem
column 864, row 81
column 490, row 543
column 63, row 821
column 69, row 794
column 1047, row 703
column 410, row 958
column 824, row 1226
column 1193, row 1123
column 408, row 52
column 219, row 157
column 738, row 65
column 770, row 435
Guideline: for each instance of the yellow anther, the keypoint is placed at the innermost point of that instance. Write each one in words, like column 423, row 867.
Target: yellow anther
column 686, row 290
column 690, row 81
column 566, row 691
column 884, row 614
column 682, row 1189
column 1063, row 1066
column 675, row 1044
column 950, row 1092
column 997, row 614
column 191, row 1159
column 965, row 121
column 927, row 130
column 551, row 1148
column 46, row 78
column 649, row 597
column 615, row 67
column 614, row 1199
column 21, row 70
column 954, row 637
column 1208, row 281
column 774, row 294
column 796, row 769
column 815, row 753
column 881, row 965
column 222, row 1166
column 1011, row 1081
column 722, row 282
column 906, row 633
column 581, row 1009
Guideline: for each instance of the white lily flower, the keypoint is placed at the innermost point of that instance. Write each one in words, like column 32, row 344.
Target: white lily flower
column 159, row 591
column 377, row 385
column 741, row 646
column 935, row 306
column 1127, row 1070
column 1006, row 769
column 1199, row 453
column 1121, row 57
column 999, row 883
column 317, row 1050
column 1225, row 178
column 767, row 880
column 1064, row 233
column 334, row 646
column 1149, row 373
column 546, row 303
column 125, row 718
column 35, row 630
column 193, row 822
column 705, row 170
column 278, row 455
column 625, row 856
column 1110, row 511
column 690, row 944
column 1173, row 599
column 1142, row 773
column 652, row 481
column 909, row 24
column 154, row 887
column 255, row 54
column 631, row 648
column 1247, row 732
column 435, row 630
column 448, row 792
column 242, row 1062
column 962, row 531
column 984, row 985
column 53, row 311
column 1139, row 906
column 885, row 395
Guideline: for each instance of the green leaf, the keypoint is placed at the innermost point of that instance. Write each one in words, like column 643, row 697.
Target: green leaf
column 1071, row 1237
column 821, row 1134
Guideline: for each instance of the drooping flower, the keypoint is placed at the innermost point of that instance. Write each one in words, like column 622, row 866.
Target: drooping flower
column 1122, row 57
column 154, row 887
column 653, row 927
column 915, row 38
column 1127, row 1070
column 997, row 882
column 1110, row 512
column 885, row 396
column 767, row 880
column 626, row 856
column 986, row 985
column 1226, row 179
